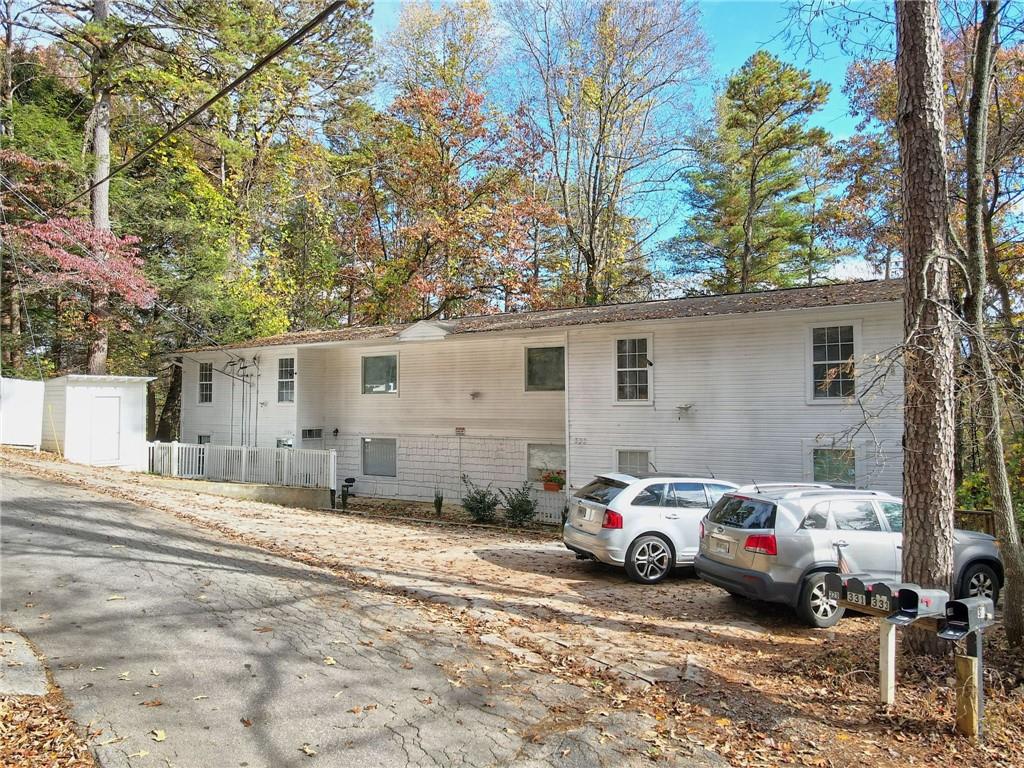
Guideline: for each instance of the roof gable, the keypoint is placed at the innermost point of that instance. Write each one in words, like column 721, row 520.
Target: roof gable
column 426, row 330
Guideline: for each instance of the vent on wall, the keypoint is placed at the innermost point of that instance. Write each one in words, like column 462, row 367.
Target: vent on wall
column 312, row 434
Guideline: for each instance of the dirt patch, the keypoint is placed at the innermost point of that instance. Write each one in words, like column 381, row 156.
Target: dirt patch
column 742, row 678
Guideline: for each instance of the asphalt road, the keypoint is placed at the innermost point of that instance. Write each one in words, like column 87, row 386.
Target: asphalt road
column 241, row 658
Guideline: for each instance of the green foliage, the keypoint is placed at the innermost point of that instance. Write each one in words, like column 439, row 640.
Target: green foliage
column 757, row 211
column 520, row 504
column 481, row 503
column 973, row 492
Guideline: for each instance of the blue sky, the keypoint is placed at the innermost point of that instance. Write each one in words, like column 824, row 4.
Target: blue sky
column 735, row 29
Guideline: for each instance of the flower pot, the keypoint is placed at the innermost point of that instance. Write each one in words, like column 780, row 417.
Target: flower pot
column 552, row 487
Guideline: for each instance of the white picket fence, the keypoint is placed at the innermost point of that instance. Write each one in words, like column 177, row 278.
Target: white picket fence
column 299, row 467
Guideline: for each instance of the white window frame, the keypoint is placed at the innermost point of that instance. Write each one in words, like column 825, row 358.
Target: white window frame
column 207, row 441
column 200, row 382
column 294, row 380
column 398, row 374
column 808, row 371
column 649, row 402
column 526, row 367
column 284, row 442
column 651, row 458
column 303, row 430
column 362, row 462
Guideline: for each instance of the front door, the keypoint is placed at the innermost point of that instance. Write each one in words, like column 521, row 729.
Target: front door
column 105, row 430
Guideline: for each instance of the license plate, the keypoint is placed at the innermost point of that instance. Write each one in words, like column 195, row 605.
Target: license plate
column 586, row 513
column 721, row 546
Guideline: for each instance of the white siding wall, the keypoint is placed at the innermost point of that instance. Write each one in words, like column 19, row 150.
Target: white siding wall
column 747, row 378
column 54, row 414
column 21, row 412
column 437, row 380
column 248, row 413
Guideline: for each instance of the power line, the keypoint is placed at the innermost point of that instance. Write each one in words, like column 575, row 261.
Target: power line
column 288, row 43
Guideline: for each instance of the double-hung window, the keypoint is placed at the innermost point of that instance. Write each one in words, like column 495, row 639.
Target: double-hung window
column 286, row 380
column 206, row 382
column 632, row 377
column 634, row 463
column 832, row 354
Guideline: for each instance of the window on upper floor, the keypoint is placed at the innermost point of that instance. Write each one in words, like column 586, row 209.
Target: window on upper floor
column 286, row 380
column 545, row 369
column 206, row 382
column 832, row 367
column 632, row 377
column 380, row 375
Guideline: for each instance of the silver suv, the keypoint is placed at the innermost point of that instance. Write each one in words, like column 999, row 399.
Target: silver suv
column 777, row 542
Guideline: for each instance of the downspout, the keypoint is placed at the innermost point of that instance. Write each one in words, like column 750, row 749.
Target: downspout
column 568, row 437
column 256, row 363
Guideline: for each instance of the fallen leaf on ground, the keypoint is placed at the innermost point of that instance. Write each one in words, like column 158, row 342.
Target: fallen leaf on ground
column 116, row 597
column 154, row 673
column 307, row 750
column 151, row 703
column 246, row 722
column 157, row 735
column 263, row 629
column 329, row 661
column 140, row 753
column 197, row 698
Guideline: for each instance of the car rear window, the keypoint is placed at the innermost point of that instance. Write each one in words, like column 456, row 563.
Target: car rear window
column 601, row 490
column 742, row 512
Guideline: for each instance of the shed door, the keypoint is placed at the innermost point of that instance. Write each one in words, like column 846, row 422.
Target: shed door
column 105, row 432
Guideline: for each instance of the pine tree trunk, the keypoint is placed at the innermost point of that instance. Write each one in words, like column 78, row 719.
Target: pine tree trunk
column 929, row 430
column 986, row 380
column 96, row 362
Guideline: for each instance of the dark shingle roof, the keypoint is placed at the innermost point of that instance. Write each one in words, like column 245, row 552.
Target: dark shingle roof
column 841, row 294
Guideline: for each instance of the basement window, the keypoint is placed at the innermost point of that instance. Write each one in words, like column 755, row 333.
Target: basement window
column 380, row 456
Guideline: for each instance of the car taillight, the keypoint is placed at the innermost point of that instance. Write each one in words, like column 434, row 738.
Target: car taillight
column 702, row 529
column 762, row 544
column 612, row 519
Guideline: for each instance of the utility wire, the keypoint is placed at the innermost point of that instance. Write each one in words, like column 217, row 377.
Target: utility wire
column 288, row 43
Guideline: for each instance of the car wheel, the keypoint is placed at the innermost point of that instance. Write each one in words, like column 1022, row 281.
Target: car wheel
column 649, row 559
column 980, row 580
column 814, row 608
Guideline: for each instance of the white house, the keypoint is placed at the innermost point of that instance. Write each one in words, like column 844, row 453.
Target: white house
column 749, row 387
column 97, row 420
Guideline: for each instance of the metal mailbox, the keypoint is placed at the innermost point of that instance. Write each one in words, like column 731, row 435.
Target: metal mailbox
column 966, row 616
column 855, row 592
column 833, row 586
column 885, row 595
column 916, row 603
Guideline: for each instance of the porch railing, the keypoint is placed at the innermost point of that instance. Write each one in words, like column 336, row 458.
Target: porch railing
column 298, row 467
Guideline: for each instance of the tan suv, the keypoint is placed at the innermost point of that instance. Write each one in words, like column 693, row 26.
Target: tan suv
column 776, row 543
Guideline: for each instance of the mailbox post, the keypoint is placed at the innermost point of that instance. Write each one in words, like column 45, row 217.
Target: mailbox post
column 967, row 619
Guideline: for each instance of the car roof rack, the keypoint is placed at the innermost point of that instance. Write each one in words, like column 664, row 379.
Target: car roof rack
column 776, row 488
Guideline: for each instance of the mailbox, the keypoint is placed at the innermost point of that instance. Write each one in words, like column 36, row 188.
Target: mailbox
column 833, row 587
column 885, row 595
column 915, row 603
column 966, row 616
column 854, row 592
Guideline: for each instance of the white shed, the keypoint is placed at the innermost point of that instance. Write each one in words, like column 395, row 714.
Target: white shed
column 21, row 412
column 97, row 420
